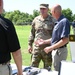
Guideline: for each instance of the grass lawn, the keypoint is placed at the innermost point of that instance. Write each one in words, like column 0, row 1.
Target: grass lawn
column 23, row 34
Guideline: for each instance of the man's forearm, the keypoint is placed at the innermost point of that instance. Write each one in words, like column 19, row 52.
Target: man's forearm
column 60, row 43
column 48, row 41
column 18, row 60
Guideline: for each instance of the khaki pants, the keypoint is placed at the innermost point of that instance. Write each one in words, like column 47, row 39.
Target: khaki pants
column 5, row 69
column 60, row 54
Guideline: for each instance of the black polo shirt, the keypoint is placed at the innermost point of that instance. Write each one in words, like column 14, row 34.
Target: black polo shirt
column 8, row 40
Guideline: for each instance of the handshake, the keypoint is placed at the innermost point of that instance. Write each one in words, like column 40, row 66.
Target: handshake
column 40, row 42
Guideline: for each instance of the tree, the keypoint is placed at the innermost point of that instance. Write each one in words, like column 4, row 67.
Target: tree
column 35, row 13
column 49, row 11
column 9, row 15
column 4, row 12
column 68, row 14
column 18, row 17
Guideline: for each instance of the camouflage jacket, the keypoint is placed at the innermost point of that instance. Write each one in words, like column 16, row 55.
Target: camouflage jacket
column 41, row 28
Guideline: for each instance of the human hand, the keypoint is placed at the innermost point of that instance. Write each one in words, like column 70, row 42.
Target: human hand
column 39, row 42
column 30, row 49
column 48, row 49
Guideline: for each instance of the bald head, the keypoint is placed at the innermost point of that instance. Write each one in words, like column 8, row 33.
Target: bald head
column 56, row 11
column 1, row 6
column 57, row 8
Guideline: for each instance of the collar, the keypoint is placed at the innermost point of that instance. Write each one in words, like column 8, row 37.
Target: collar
column 46, row 19
column 61, row 17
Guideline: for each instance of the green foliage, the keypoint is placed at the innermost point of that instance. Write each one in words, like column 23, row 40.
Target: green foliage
column 23, row 34
column 21, row 18
column 35, row 13
column 68, row 14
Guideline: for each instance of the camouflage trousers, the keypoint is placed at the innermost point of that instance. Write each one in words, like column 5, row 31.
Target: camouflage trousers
column 38, row 55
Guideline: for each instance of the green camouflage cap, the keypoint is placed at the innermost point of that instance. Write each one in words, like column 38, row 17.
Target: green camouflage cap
column 44, row 5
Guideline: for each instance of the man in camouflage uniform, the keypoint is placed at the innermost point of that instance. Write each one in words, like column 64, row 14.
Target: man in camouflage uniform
column 42, row 27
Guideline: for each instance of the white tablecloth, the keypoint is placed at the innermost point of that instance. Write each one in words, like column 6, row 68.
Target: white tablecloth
column 43, row 71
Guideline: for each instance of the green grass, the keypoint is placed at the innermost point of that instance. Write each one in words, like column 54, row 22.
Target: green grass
column 23, row 34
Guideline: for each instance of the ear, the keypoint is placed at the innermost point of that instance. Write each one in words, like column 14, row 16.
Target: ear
column 1, row 6
column 1, row 2
column 54, row 11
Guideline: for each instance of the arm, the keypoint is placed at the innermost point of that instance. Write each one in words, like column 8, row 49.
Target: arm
column 42, row 42
column 13, row 45
column 48, row 41
column 18, row 60
column 57, row 45
column 31, row 38
column 64, row 37
column 64, row 34
column 61, row 43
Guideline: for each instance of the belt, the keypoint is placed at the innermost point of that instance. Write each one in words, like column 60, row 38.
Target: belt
column 62, row 46
column 5, row 63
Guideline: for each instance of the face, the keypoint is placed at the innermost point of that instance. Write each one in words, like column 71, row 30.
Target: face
column 1, row 6
column 53, row 12
column 43, row 11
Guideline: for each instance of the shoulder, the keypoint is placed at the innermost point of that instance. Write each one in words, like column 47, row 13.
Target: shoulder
column 65, row 21
column 38, row 17
column 52, row 18
column 10, row 25
column 6, row 23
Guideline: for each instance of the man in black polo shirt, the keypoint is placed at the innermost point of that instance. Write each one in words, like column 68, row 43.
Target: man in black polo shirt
column 8, row 44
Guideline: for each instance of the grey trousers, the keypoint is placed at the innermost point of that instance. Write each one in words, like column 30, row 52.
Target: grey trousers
column 60, row 54
column 5, row 69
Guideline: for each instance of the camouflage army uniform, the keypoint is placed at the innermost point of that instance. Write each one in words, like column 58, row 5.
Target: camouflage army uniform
column 41, row 28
